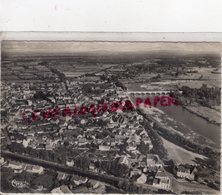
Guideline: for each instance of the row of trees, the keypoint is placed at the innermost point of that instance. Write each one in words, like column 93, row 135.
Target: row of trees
column 60, row 155
column 206, row 96
column 113, row 167
column 158, row 147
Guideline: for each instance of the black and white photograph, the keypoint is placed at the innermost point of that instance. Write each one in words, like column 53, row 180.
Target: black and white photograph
column 110, row 117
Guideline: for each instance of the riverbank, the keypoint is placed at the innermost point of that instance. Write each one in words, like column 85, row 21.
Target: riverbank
column 175, row 132
column 169, row 120
column 181, row 155
column 210, row 115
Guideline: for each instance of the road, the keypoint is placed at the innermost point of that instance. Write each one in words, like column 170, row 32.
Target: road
column 177, row 186
column 72, row 170
column 60, row 167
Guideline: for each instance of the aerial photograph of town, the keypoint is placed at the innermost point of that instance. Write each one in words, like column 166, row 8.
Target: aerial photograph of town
column 110, row 117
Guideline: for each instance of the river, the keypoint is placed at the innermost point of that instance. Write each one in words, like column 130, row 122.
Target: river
column 192, row 121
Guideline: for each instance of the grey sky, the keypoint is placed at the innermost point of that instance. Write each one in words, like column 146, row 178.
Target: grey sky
column 106, row 48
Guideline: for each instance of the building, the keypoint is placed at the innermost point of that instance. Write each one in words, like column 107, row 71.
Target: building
column 184, row 171
column 104, row 148
column 70, row 163
column 161, row 183
column 95, row 184
column 153, row 160
column 2, row 161
column 124, row 160
column 34, row 169
column 77, row 180
column 16, row 166
column 142, row 179
column 62, row 176
column 161, row 180
column 61, row 190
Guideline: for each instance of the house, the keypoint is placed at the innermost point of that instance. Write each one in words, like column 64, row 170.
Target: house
column 61, row 190
column 92, row 166
column 49, row 146
column 2, row 161
column 184, row 171
column 119, row 138
column 71, row 126
column 16, row 166
column 146, row 140
column 61, row 176
column 131, row 146
column 77, row 180
column 82, row 141
column 134, row 138
column 25, row 142
column 161, row 180
column 153, row 160
column 69, row 163
column 104, row 148
column 34, row 169
column 135, row 172
column 142, row 179
column 161, row 183
column 124, row 160
column 95, row 184
column 160, row 174
column 150, row 146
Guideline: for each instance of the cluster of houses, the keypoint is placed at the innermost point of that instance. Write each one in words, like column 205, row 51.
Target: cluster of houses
column 185, row 171
column 75, row 181
column 149, row 171
column 37, row 135
column 121, row 132
column 19, row 167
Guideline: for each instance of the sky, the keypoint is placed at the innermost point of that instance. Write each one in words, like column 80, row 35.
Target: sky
column 38, row 48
